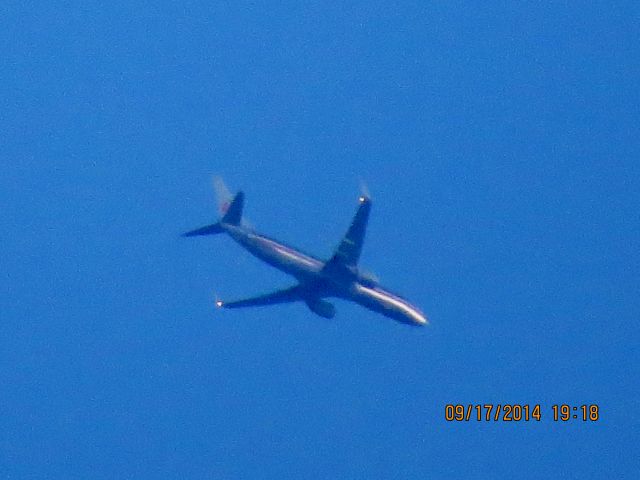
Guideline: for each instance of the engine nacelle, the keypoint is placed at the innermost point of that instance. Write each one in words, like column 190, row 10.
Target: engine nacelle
column 322, row 308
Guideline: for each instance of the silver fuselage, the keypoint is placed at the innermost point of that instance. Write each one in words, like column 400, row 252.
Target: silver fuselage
column 347, row 283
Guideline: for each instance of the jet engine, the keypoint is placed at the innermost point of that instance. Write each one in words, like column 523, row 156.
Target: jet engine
column 322, row 308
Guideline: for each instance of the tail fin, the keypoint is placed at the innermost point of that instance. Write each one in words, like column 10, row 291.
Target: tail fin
column 233, row 215
column 230, row 211
column 225, row 200
column 223, row 195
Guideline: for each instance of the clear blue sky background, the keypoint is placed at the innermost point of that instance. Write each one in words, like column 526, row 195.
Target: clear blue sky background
column 500, row 144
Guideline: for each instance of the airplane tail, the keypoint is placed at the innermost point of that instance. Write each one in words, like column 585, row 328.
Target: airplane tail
column 206, row 230
column 223, row 195
column 230, row 209
column 233, row 215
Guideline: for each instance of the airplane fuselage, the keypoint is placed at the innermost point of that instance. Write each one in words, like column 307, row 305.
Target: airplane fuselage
column 323, row 281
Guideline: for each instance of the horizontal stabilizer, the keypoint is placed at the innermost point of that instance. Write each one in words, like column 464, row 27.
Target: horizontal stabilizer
column 208, row 230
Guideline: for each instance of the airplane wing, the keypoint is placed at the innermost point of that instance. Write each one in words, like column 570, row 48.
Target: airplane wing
column 348, row 252
column 291, row 294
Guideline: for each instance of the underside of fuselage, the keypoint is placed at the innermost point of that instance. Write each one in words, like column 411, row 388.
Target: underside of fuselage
column 276, row 254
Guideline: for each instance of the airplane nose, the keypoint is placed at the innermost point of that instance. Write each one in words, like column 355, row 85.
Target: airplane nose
column 421, row 319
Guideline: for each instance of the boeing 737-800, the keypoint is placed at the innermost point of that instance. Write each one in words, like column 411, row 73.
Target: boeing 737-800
column 316, row 279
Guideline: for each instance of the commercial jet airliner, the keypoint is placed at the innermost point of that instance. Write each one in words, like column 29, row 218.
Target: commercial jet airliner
column 337, row 277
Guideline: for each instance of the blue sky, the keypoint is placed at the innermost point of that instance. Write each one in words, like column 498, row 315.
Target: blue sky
column 500, row 145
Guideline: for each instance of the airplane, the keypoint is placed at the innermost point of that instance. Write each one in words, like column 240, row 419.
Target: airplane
column 338, row 277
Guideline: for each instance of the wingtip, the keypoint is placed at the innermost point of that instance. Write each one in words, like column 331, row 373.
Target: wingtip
column 364, row 191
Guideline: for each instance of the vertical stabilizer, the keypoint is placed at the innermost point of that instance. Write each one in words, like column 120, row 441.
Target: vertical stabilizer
column 234, row 212
column 223, row 195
